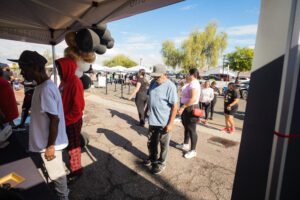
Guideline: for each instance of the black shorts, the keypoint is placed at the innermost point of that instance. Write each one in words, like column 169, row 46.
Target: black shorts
column 230, row 112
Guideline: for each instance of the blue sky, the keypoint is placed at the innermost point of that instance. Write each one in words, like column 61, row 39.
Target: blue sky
column 140, row 36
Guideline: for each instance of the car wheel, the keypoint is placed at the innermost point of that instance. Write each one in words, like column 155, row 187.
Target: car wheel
column 245, row 94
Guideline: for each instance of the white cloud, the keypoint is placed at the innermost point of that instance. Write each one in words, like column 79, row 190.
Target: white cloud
column 178, row 40
column 242, row 30
column 241, row 42
column 189, row 7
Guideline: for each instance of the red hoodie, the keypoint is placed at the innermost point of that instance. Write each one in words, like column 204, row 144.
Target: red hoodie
column 8, row 104
column 71, row 90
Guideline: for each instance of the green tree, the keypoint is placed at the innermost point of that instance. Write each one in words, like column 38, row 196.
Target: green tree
column 172, row 56
column 203, row 48
column 200, row 49
column 14, row 66
column 240, row 60
column 120, row 60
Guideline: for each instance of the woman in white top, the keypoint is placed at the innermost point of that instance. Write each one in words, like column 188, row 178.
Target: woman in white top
column 189, row 101
column 206, row 96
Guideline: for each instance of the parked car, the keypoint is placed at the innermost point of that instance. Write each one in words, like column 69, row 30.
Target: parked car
column 242, row 79
column 218, row 77
column 244, row 89
column 180, row 76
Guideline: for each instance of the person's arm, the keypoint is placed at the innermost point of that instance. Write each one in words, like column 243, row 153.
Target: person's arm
column 2, row 117
column 212, row 95
column 138, row 86
column 173, row 114
column 235, row 101
column 53, row 131
column 193, row 94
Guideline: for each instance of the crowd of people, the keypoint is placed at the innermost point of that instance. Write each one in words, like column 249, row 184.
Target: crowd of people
column 161, row 109
column 56, row 113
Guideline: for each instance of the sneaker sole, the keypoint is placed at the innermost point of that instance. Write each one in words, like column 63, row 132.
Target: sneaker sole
column 190, row 157
column 159, row 171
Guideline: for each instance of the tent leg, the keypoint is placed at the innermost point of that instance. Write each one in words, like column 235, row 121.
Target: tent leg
column 54, row 67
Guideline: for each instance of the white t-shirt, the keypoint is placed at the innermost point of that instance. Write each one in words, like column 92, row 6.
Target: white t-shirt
column 46, row 99
column 207, row 95
column 58, row 79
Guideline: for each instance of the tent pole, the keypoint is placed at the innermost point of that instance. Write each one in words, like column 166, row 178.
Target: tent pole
column 53, row 55
column 54, row 67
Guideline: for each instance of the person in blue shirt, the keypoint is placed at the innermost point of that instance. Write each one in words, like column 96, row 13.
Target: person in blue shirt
column 161, row 110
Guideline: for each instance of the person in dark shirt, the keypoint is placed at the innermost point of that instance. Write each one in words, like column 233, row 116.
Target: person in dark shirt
column 231, row 99
column 28, row 90
column 141, row 96
column 214, row 101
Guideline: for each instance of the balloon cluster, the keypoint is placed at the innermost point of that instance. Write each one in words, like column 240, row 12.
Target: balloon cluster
column 83, row 46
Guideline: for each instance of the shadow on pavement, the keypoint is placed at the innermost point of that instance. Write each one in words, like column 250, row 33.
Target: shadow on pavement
column 238, row 115
column 108, row 178
column 120, row 141
column 131, row 121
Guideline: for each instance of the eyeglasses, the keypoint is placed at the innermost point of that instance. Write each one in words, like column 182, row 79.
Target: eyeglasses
column 156, row 77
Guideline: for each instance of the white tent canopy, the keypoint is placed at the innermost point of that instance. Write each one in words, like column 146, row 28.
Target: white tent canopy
column 137, row 68
column 118, row 69
column 46, row 22
column 97, row 67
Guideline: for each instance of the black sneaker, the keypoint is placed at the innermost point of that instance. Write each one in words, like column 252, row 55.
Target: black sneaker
column 142, row 123
column 72, row 178
column 147, row 162
column 158, row 168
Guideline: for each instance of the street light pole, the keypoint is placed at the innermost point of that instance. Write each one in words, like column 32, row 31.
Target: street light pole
column 224, row 56
column 141, row 61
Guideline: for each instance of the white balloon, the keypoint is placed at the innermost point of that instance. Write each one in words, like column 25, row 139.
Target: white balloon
column 78, row 73
column 83, row 66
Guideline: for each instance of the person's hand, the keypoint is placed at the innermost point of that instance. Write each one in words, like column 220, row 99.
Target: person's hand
column 180, row 111
column 49, row 153
column 168, row 128
column 129, row 98
column 228, row 107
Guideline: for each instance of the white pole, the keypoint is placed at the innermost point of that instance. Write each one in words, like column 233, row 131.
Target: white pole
column 54, row 67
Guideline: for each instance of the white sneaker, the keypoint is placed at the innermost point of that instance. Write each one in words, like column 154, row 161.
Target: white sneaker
column 190, row 154
column 182, row 146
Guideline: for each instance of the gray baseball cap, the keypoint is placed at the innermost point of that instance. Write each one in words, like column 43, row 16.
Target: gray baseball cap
column 159, row 70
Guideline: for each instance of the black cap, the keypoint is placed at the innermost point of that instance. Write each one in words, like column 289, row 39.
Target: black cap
column 30, row 57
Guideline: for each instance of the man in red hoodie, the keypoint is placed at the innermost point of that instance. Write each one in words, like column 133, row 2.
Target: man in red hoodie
column 71, row 89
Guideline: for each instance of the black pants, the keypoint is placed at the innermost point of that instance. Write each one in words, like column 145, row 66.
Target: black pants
column 157, row 135
column 189, row 122
column 206, row 107
column 140, row 102
column 212, row 107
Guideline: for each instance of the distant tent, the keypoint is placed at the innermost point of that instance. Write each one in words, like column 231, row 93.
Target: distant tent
column 137, row 68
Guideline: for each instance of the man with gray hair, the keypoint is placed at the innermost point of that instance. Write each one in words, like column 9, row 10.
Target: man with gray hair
column 162, row 108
